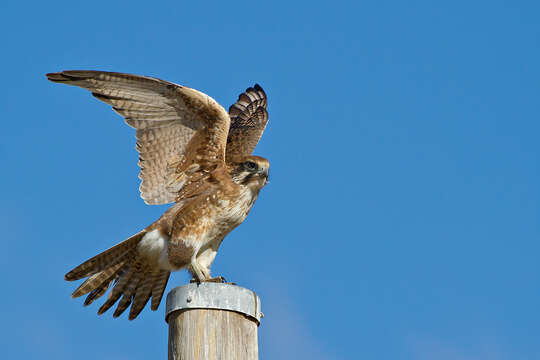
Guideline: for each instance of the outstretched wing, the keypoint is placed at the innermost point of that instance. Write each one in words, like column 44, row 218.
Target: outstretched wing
column 171, row 121
column 248, row 120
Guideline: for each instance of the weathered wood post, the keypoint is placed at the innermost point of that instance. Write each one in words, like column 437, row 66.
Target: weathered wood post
column 212, row 321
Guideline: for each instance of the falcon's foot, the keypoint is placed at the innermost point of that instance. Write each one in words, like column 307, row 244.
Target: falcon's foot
column 217, row 279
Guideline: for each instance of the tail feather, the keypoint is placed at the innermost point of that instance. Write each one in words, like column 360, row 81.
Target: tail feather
column 117, row 291
column 99, row 291
column 158, row 289
column 105, row 259
column 142, row 295
column 133, row 278
column 128, row 293
column 95, row 281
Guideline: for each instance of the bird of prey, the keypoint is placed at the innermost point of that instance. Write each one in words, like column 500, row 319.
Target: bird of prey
column 191, row 152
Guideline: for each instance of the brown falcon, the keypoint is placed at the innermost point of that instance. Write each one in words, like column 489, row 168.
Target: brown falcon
column 191, row 152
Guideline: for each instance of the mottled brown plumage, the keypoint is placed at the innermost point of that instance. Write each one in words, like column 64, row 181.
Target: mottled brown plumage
column 192, row 152
column 248, row 120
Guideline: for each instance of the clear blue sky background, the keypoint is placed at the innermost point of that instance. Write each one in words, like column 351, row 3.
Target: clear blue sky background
column 402, row 220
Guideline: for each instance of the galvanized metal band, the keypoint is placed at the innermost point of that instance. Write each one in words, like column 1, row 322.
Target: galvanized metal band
column 208, row 295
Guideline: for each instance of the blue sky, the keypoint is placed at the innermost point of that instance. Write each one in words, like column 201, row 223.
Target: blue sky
column 402, row 219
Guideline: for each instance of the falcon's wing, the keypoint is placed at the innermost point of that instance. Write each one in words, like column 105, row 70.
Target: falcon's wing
column 248, row 120
column 181, row 132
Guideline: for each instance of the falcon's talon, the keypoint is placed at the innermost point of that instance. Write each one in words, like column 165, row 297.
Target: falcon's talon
column 217, row 279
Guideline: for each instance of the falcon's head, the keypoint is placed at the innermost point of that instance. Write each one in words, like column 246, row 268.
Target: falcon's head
column 251, row 171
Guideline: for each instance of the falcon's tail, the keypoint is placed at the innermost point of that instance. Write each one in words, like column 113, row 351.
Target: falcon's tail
column 132, row 277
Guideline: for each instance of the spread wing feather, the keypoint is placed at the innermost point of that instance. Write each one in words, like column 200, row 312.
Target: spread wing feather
column 248, row 121
column 166, row 117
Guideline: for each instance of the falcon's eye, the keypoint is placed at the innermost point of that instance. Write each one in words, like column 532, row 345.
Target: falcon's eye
column 250, row 165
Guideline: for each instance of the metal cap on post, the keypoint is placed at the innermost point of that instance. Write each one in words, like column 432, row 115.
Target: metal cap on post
column 212, row 321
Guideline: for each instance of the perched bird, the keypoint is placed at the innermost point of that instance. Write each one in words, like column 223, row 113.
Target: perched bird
column 191, row 152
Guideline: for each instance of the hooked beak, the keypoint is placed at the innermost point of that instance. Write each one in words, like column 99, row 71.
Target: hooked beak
column 266, row 172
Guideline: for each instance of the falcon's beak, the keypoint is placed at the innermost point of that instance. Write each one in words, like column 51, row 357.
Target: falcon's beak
column 266, row 172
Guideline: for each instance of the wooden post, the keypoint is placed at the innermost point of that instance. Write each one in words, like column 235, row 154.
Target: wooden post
column 212, row 321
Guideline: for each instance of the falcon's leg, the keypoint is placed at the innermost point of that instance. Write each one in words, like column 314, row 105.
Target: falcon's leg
column 206, row 276
column 198, row 272
column 206, row 256
column 204, row 259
